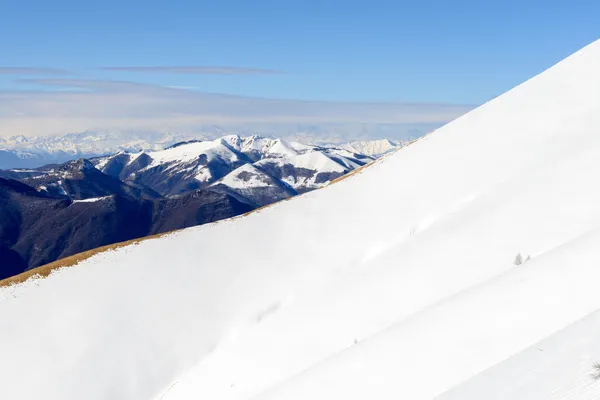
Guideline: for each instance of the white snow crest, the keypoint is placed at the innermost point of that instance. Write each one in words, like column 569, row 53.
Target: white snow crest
column 92, row 199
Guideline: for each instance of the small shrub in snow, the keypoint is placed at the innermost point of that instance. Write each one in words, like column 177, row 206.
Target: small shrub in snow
column 518, row 259
column 596, row 373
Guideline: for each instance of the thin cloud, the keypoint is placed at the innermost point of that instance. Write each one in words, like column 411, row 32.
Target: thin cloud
column 33, row 71
column 89, row 84
column 82, row 105
column 198, row 70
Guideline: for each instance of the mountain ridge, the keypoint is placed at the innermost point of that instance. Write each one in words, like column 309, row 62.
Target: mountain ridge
column 32, row 152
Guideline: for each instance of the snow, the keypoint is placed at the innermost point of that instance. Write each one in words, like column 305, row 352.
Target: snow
column 234, row 141
column 269, row 147
column 345, row 158
column 191, row 151
column 296, row 301
column 301, row 147
column 102, row 163
column 256, row 143
column 204, row 174
column 374, row 148
column 507, row 313
column 255, row 178
column 133, row 157
column 281, row 148
column 92, row 199
column 314, row 160
column 558, row 367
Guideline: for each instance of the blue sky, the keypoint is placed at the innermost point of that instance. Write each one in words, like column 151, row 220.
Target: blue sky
column 461, row 52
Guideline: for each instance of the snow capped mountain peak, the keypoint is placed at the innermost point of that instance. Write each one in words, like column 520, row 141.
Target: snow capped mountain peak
column 191, row 150
column 281, row 148
column 255, row 143
column 234, row 141
column 197, row 164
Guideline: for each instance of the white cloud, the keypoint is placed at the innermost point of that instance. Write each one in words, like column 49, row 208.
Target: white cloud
column 111, row 105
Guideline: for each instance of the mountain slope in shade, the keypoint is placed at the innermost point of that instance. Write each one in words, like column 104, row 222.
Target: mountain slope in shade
column 37, row 228
column 80, row 180
column 16, row 218
column 194, row 208
column 374, row 287
column 19, row 159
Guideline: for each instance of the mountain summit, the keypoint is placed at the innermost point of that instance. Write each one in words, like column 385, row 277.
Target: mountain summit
column 399, row 282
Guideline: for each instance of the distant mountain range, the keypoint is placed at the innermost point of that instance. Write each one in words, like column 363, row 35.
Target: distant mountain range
column 54, row 211
column 31, row 152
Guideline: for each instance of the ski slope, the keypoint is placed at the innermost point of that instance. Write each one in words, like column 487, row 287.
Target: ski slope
column 396, row 283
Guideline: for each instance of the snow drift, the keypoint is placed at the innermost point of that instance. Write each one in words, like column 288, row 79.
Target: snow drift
column 399, row 282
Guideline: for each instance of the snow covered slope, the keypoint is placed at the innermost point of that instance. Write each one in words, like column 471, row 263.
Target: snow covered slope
column 396, row 283
column 374, row 148
column 307, row 171
column 558, row 367
column 254, row 186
